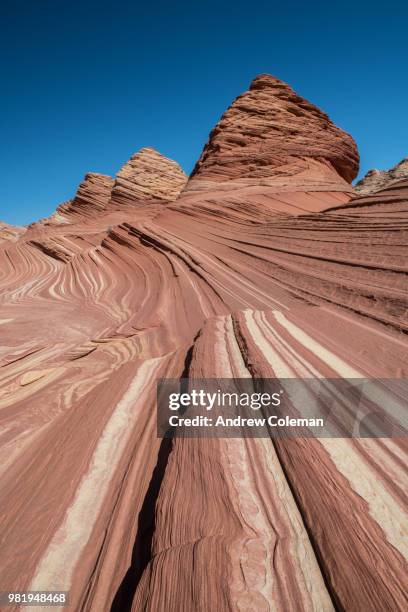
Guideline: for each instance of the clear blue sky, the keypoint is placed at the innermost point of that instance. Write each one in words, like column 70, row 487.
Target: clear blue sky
column 87, row 83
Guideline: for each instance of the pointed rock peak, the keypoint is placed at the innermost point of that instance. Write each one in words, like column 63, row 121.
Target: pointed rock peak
column 148, row 175
column 263, row 81
column 150, row 152
column 97, row 177
column 268, row 131
column 149, row 155
column 94, row 191
column 92, row 196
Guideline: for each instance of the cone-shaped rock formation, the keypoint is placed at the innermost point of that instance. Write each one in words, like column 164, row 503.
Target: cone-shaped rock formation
column 271, row 135
column 148, row 175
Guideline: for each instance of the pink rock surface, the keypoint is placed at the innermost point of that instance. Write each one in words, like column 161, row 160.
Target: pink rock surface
column 261, row 267
column 10, row 232
column 148, row 175
column 272, row 136
column 92, row 197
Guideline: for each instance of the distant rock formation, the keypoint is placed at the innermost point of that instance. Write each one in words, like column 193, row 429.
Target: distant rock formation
column 148, row 175
column 10, row 232
column 375, row 180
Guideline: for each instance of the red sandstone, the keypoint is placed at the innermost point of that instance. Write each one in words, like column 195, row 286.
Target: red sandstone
column 264, row 264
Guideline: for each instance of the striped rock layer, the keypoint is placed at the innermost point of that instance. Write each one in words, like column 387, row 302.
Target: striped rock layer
column 92, row 197
column 375, row 180
column 10, row 232
column 261, row 267
column 272, row 136
column 147, row 177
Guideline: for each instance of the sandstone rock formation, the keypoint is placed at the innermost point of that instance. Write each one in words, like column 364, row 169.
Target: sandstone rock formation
column 375, row 180
column 271, row 141
column 261, row 267
column 10, row 232
column 272, row 136
column 92, row 197
column 148, row 175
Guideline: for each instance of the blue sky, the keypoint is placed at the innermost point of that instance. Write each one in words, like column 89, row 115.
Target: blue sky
column 86, row 84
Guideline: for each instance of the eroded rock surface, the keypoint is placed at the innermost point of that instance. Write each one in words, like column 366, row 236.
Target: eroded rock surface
column 272, row 136
column 375, row 180
column 148, row 175
column 92, row 197
column 261, row 267
column 10, row 232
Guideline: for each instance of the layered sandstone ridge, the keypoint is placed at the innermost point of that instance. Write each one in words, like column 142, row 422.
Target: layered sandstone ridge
column 92, row 196
column 148, row 175
column 275, row 280
column 102, row 203
column 375, row 179
column 272, row 136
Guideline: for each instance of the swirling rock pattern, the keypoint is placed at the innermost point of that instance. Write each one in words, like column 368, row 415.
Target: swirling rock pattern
column 263, row 265
column 10, row 232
